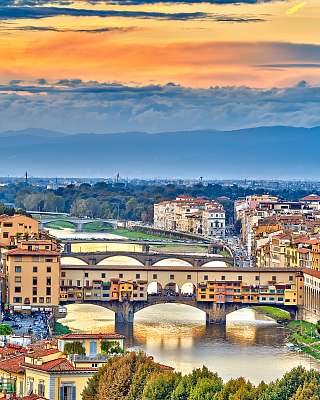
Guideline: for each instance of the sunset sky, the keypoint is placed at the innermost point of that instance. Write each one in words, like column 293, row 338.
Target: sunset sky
column 131, row 65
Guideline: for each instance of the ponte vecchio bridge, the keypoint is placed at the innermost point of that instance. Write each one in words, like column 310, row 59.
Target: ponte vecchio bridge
column 126, row 282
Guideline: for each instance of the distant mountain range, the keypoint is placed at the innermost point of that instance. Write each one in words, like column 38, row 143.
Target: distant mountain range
column 267, row 152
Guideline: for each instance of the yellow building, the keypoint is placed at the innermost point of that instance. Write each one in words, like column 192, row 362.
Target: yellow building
column 51, row 374
column 315, row 264
column 92, row 343
column 12, row 226
column 32, row 275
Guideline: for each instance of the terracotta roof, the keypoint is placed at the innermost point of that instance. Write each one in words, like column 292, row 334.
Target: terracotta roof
column 82, row 336
column 165, row 367
column 304, row 251
column 23, row 252
column 312, row 272
column 311, row 197
column 13, row 364
column 59, row 364
column 11, row 350
column 41, row 352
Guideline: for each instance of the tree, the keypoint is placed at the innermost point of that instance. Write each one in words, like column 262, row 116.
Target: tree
column 160, row 386
column 74, row 348
column 79, row 208
column 5, row 330
column 111, row 347
column 206, row 388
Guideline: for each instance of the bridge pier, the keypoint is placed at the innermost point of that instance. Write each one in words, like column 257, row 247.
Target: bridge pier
column 124, row 313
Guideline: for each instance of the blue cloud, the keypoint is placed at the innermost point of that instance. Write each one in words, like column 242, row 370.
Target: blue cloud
column 77, row 106
column 45, row 12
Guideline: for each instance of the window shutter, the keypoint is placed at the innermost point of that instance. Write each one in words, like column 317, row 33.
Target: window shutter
column 73, row 393
column 61, row 393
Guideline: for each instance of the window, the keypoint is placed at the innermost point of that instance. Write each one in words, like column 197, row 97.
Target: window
column 41, row 388
column 205, row 277
column 274, row 278
column 49, row 260
column 137, row 276
column 31, row 386
column 34, row 299
column 48, row 300
column 17, row 299
column 86, row 275
column 188, row 277
column 48, row 281
column 34, row 281
column 240, row 278
column 34, row 291
column 48, row 291
column 78, row 283
column 103, row 275
column 7, row 224
column 17, row 279
column 141, row 294
column 41, row 299
column 290, row 278
column 17, row 269
column 67, row 392
column 35, row 269
column 5, row 235
column 48, row 270
column 63, row 274
column 17, row 289
column 257, row 278
column 223, row 278
column 171, row 276
column 120, row 275
column 154, row 276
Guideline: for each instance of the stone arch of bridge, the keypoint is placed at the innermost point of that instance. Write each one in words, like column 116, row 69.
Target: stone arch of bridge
column 188, row 288
column 78, row 260
column 164, row 261
column 121, row 260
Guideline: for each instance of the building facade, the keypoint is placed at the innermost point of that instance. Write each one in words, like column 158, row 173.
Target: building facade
column 16, row 225
column 32, row 276
column 193, row 215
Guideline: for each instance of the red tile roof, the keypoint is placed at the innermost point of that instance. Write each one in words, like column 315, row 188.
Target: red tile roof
column 312, row 272
column 13, row 364
column 41, row 352
column 59, row 364
column 311, row 197
column 22, row 252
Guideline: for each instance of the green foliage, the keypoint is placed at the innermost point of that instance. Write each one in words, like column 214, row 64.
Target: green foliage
column 160, row 386
column 111, row 347
column 74, row 348
column 5, row 330
column 274, row 312
column 60, row 224
column 60, row 329
column 137, row 377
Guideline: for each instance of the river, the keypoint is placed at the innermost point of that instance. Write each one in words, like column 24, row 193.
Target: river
column 176, row 335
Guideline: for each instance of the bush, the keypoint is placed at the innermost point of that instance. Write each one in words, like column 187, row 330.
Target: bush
column 60, row 329
column 5, row 330
column 74, row 348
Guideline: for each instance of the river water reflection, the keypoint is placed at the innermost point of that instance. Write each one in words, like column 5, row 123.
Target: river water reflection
column 180, row 338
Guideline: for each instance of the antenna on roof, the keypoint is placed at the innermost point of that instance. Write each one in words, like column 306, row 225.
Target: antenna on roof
column 26, row 177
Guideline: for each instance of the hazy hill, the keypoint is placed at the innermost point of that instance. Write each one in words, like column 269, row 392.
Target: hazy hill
column 266, row 152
